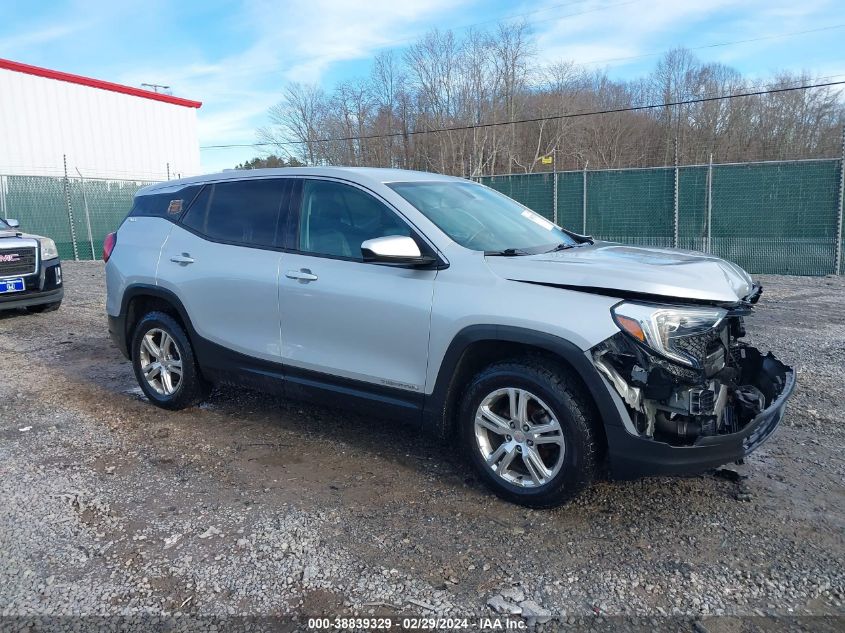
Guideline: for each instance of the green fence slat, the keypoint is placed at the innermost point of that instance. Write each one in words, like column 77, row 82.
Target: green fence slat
column 777, row 217
column 635, row 206
column 773, row 217
column 692, row 208
column 39, row 202
column 535, row 191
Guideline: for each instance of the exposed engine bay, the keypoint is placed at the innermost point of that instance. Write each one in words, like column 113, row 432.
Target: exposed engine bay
column 706, row 383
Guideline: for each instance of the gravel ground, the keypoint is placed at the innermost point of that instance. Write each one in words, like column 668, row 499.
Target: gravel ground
column 259, row 506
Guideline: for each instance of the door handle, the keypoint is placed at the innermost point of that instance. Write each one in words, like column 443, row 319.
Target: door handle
column 303, row 275
column 183, row 259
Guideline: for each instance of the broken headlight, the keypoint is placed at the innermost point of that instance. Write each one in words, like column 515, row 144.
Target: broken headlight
column 663, row 329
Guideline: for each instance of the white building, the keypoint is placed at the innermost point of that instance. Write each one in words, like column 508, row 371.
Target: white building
column 102, row 129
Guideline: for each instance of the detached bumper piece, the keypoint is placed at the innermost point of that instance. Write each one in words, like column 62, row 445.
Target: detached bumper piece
column 685, row 421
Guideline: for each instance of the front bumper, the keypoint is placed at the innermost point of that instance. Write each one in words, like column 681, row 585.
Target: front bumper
column 633, row 456
column 46, row 286
column 27, row 299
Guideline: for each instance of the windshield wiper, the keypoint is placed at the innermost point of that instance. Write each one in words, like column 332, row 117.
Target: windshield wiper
column 561, row 247
column 508, row 252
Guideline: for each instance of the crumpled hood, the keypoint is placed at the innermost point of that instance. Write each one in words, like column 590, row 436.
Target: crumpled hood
column 617, row 267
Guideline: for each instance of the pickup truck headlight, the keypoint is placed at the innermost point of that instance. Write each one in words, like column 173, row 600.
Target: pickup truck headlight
column 48, row 248
column 661, row 327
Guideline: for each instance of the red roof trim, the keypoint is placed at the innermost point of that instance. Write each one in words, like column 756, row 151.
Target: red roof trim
column 96, row 83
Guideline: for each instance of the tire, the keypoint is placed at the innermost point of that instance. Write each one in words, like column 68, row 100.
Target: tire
column 45, row 307
column 569, row 454
column 171, row 342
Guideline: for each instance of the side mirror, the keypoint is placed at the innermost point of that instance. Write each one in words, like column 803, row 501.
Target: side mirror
column 13, row 223
column 394, row 249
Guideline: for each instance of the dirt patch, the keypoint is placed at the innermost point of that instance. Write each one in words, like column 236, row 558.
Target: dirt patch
column 251, row 504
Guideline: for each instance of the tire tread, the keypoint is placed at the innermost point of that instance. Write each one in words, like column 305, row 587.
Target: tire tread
column 557, row 378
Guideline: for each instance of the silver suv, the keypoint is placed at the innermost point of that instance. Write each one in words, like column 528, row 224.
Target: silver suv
column 549, row 356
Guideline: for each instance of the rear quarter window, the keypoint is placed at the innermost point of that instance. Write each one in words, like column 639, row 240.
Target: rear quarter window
column 164, row 205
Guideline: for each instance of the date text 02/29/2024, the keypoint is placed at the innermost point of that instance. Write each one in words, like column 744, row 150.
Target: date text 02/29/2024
column 417, row 624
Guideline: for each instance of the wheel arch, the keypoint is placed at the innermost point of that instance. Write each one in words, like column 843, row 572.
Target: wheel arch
column 477, row 346
column 141, row 299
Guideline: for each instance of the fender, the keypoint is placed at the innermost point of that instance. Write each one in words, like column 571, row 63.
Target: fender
column 118, row 324
column 435, row 414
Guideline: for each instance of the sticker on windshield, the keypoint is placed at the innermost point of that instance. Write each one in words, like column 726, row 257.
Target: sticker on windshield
column 538, row 219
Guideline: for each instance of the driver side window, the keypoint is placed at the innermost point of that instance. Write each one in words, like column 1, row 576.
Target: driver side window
column 336, row 218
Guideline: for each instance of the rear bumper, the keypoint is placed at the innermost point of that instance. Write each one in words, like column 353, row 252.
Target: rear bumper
column 117, row 332
column 634, row 456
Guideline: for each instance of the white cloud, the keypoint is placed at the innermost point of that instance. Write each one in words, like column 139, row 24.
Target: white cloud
column 291, row 42
column 612, row 30
column 28, row 38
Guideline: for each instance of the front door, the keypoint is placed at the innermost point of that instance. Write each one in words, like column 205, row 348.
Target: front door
column 342, row 317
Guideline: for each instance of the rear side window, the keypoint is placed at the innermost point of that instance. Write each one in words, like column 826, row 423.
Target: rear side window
column 164, row 205
column 249, row 212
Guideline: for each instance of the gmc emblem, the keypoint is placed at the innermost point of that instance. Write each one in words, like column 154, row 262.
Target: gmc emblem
column 11, row 257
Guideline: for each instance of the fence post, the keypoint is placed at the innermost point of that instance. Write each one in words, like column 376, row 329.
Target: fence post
column 709, row 202
column 838, row 262
column 70, row 212
column 584, row 202
column 3, row 186
column 675, row 209
column 87, row 214
column 554, row 185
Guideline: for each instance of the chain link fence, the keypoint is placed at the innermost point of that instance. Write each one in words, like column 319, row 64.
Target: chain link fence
column 778, row 217
column 781, row 217
column 77, row 213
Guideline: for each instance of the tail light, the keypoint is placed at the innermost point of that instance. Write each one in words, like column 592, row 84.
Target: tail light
column 108, row 245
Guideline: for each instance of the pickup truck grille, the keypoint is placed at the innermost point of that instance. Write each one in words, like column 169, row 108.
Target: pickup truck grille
column 17, row 261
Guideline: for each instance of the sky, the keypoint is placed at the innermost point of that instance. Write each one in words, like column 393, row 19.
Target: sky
column 237, row 56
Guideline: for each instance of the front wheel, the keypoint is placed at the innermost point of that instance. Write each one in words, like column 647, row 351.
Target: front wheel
column 164, row 363
column 528, row 430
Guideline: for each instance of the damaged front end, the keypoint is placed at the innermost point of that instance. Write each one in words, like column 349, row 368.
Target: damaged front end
column 688, row 381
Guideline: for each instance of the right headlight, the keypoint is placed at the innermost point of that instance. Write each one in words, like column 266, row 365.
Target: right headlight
column 660, row 327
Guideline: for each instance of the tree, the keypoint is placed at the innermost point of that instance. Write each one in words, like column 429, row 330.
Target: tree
column 453, row 104
column 261, row 162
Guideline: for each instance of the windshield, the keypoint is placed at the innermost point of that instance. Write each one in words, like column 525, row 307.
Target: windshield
column 3, row 224
column 482, row 219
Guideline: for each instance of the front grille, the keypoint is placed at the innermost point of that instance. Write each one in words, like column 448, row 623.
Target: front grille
column 17, row 261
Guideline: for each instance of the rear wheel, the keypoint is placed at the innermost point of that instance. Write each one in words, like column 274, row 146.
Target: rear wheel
column 164, row 363
column 528, row 431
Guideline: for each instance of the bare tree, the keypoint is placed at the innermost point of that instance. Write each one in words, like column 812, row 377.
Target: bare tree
column 456, row 105
column 298, row 117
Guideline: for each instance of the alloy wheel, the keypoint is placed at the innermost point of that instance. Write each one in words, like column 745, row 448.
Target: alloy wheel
column 519, row 437
column 161, row 362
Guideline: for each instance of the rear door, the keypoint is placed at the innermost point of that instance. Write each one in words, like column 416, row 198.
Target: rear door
column 223, row 260
column 343, row 318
